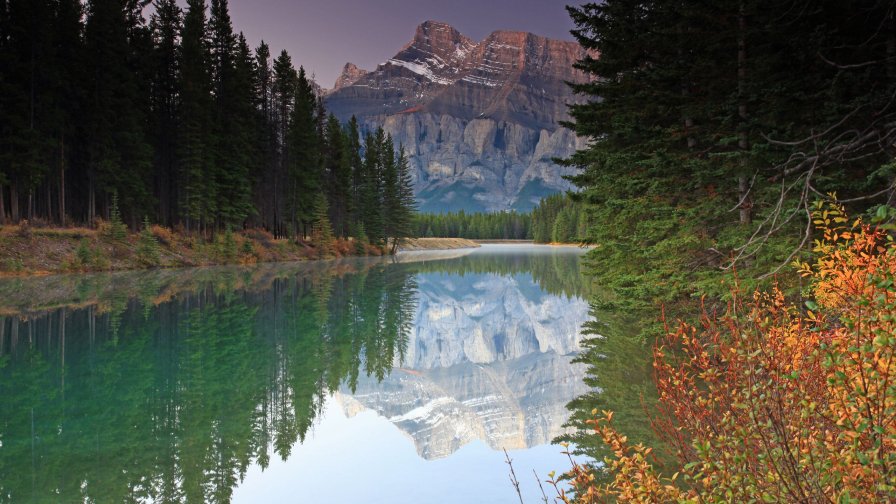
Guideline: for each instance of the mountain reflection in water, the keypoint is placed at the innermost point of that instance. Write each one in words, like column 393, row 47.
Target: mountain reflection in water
column 170, row 386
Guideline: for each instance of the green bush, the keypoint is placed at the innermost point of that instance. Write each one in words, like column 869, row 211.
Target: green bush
column 147, row 246
column 88, row 257
column 14, row 265
column 226, row 247
column 83, row 254
column 247, row 248
column 117, row 230
column 361, row 240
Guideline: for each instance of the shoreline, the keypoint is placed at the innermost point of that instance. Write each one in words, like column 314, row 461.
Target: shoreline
column 27, row 251
column 421, row 244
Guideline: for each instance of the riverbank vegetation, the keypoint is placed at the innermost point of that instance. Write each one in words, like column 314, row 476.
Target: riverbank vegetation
column 737, row 148
column 29, row 250
column 771, row 400
column 185, row 124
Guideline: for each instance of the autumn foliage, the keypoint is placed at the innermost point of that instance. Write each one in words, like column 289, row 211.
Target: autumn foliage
column 776, row 400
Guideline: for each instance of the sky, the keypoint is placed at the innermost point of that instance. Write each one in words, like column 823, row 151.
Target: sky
column 366, row 458
column 323, row 35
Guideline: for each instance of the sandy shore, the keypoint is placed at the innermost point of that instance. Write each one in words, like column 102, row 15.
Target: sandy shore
column 438, row 244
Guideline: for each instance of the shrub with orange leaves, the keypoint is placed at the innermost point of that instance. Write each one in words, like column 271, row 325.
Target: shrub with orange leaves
column 777, row 402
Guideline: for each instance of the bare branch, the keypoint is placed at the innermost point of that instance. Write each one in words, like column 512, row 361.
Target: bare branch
column 513, row 480
column 847, row 67
column 544, row 496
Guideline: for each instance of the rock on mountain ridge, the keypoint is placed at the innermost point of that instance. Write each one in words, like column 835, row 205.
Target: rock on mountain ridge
column 350, row 75
column 480, row 120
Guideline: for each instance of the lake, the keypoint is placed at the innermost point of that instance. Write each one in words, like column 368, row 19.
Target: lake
column 376, row 380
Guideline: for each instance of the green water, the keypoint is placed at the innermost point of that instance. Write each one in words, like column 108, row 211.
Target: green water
column 197, row 385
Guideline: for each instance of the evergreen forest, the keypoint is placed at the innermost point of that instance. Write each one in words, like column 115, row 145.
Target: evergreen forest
column 558, row 218
column 739, row 189
column 716, row 127
column 179, row 122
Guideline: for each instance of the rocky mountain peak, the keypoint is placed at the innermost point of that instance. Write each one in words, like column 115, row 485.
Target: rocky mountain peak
column 438, row 36
column 480, row 120
column 434, row 57
column 350, row 74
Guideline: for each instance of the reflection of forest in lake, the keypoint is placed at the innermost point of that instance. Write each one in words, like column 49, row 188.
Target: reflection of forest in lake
column 166, row 386
column 173, row 402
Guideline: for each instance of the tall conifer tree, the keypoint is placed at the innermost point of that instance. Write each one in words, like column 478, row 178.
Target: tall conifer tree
column 166, row 24
column 197, row 189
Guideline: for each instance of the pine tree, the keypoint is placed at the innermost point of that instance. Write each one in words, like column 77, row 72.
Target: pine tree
column 389, row 191
column 147, row 245
column 166, row 24
column 265, row 168
column 283, row 91
column 370, row 191
column 234, row 120
column 322, row 230
column 304, row 165
column 117, row 230
column 118, row 156
column 30, row 105
column 337, row 174
column 356, row 165
column 197, row 189
column 402, row 210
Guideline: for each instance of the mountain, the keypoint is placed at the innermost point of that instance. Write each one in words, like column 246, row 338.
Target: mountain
column 480, row 120
column 488, row 358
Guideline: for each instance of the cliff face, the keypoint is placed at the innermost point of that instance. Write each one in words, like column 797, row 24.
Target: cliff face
column 488, row 358
column 480, row 164
column 480, row 120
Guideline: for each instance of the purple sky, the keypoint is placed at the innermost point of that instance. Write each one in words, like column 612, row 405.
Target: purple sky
column 322, row 35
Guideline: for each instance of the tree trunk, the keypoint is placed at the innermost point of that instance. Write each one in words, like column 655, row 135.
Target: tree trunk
column 62, row 181
column 688, row 121
column 14, row 201
column 2, row 207
column 91, row 204
column 891, row 48
column 743, row 183
column 49, row 200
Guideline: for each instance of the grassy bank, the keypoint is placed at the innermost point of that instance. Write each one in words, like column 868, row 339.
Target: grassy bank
column 26, row 250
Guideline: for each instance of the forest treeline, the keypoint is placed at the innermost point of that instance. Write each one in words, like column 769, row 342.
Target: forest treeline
column 559, row 218
column 475, row 226
column 184, row 122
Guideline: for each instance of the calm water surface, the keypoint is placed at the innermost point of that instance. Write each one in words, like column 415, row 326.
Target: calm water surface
column 342, row 381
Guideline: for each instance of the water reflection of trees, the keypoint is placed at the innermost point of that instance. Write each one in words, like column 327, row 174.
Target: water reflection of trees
column 556, row 272
column 620, row 374
column 169, row 396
